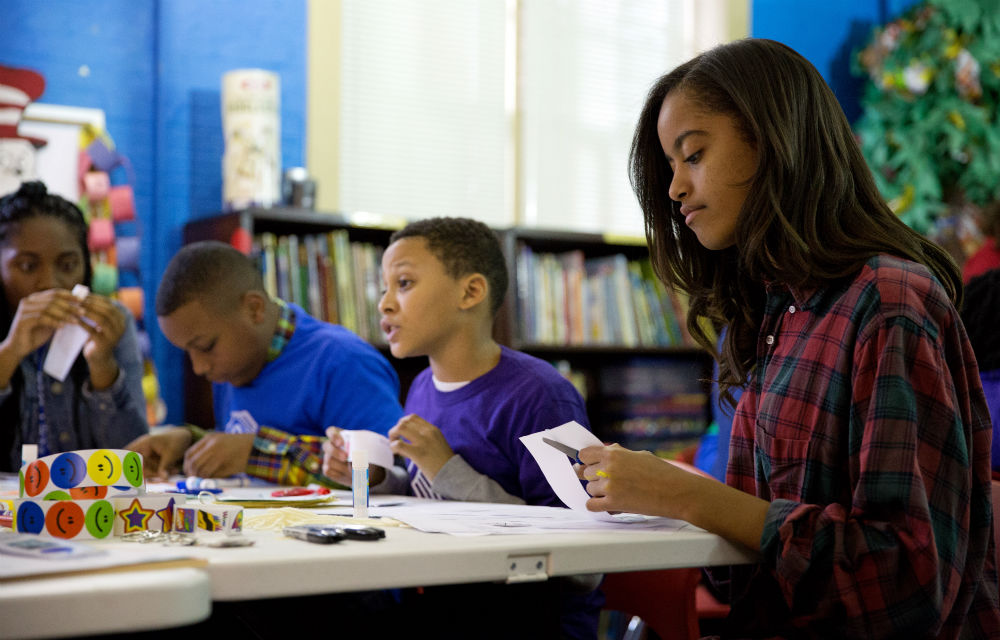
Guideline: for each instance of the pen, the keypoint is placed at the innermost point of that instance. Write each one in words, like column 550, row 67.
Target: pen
column 194, row 482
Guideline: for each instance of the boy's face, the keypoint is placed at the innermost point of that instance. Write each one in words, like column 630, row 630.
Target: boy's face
column 422, row 303
column 222, row 347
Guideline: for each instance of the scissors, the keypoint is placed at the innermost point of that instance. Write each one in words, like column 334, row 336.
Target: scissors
column 574, row 454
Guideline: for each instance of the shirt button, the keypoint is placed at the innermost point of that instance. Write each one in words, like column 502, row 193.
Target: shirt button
column 56, row 388
column 64, row 437
column 769, row 339
column 791, row 309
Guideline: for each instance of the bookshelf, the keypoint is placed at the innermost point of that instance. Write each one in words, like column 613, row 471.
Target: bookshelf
column 585, row 302
column 590, row 304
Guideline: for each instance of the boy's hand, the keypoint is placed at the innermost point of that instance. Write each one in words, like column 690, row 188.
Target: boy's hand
column 219, row 455
column 161, row 452
column 335, row 463
column 422, row 442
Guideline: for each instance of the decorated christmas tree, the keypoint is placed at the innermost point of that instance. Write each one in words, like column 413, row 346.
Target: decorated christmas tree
column 929, row 127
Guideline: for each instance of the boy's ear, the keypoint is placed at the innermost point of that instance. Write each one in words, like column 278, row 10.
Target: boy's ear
column 254, row 304
column 475, row 289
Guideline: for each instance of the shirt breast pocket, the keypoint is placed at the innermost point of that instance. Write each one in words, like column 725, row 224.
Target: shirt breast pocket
column 783, row 464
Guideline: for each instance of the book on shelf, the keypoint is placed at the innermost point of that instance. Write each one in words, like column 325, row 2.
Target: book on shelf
column 568, row 299
column 329, row 276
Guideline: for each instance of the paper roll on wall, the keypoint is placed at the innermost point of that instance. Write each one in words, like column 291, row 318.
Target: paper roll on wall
column 101, row 234
column 128, row 253
column 121, row 199
column 96, row 185
column 105, row 278
column 133, row 299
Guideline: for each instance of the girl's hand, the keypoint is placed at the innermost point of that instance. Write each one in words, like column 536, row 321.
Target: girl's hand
column 634, row 482
column 422, row 442
column 106, row 324
column 37, row 318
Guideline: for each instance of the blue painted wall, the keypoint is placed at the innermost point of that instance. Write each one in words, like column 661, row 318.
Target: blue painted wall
column 155, row 68
column 827, row 34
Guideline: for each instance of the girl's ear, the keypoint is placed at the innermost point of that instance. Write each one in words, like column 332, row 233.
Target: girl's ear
column 475, row 289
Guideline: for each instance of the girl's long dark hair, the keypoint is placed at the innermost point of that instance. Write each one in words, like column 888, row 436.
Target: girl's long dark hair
column 31, row 200
column 812, row 216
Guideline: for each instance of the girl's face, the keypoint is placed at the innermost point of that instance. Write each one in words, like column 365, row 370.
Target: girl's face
column 712, row 165
column 41, row 252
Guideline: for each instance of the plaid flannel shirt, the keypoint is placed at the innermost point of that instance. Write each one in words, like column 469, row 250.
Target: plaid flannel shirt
column 865, row 426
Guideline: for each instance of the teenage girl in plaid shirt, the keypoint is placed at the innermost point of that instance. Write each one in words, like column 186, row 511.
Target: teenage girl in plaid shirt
column 859, row 461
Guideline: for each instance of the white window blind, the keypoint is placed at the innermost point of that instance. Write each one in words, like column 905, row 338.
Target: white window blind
column 586, row 68
column 422, row 128
column 429, row 90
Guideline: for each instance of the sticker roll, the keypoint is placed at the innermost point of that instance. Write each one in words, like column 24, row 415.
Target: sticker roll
column 66, row 519
column 196, row 518
column 146, row 512
column 57, row 476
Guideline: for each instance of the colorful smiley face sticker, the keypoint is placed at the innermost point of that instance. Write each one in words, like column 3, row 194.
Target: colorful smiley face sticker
column 58, row 494
column 29, row 519
column 88, row 493
column 132, row 468
column 64, row 519
column 104, row 467
column 36, row 478
column 100, row 519
column 68, row 470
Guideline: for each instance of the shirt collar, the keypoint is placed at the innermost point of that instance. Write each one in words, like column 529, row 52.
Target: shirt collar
column 282, row 331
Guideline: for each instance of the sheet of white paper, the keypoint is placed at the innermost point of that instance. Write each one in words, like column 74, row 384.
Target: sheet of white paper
column 484, row 518
column 557, row 466
column 66, row 344
column 376, row 444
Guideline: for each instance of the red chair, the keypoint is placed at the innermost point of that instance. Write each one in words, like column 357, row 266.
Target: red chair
column 670, row 601
column 664, row 600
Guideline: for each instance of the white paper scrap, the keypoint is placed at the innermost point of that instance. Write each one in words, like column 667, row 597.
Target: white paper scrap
column 375, row 444
column 66, row 344
column 557, row 466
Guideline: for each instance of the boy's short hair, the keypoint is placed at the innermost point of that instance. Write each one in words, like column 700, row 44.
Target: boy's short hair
column 463, row 246
column 212, row 272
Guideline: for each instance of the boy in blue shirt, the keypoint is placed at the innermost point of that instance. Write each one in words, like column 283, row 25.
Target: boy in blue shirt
column 280, row 377
column 445, row 279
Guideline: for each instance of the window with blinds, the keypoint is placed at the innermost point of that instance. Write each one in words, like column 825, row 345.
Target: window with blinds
column 513, row 112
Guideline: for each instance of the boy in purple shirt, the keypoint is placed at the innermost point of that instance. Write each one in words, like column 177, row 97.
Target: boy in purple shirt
column 445, row 279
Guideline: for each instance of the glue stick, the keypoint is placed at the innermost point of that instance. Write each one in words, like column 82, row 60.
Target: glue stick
column 359, row 482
